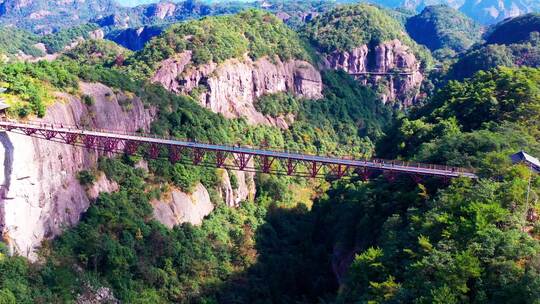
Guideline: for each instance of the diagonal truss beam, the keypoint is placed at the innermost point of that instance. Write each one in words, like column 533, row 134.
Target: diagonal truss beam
column 241, row 158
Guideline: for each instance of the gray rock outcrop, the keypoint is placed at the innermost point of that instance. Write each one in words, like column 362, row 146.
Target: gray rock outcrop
column 232, row 87
column 160, row 10
column 242, row 191
column 179, row 207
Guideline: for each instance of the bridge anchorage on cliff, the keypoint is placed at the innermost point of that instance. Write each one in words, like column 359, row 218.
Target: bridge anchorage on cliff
column 230, row 157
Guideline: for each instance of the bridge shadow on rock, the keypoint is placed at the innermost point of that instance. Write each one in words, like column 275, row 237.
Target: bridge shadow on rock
column 304, row 255
column 293, row 264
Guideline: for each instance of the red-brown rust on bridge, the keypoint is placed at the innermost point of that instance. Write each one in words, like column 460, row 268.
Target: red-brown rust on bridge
column 229, row 157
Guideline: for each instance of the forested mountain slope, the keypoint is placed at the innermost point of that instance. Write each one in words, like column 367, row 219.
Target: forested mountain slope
column 367, row 42
column 443, row 30
column 482, row 11
column 511, row 43
column 112, row 229
column 133, row 253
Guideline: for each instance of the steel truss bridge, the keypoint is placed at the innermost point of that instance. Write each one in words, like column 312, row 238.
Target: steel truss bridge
column 227, row 156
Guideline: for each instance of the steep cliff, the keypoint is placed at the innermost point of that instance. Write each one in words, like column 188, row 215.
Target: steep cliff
column 40, row 192
column 390, row 67
column 368, row 43
column 231, row 88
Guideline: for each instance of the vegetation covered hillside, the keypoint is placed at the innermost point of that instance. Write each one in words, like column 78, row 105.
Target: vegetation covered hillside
column 424, row 240
column 514, row 30
column 512, row 43
column 443, row 30
column 482, row 11
column 216, row 39
column 13, row 41
column 16, row 42
column 347, row 27
column 471, row 242
column 119, row 245
column 46, row 16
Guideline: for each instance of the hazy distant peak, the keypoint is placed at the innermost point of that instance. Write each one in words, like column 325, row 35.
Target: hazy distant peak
column 134, row 2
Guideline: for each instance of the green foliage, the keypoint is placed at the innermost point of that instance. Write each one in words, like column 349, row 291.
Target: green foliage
column 350, row 26
column 514, row 30
column 97, row 52
column 86, row 177
column 29, row 85
column 88, row 100
column 118, row 242
column 442, row 27
column 216, row 39
column 13, row 40
column 497, row 95
column 488, row 56
column 277, row 104
column 234, row 180
column 493, row 111
column 58, row 41
column 466, row 243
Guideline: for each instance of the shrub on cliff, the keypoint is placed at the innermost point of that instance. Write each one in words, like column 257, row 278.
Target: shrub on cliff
column 86, row 177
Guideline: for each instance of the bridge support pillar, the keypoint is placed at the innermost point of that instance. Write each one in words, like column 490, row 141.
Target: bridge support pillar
column 267, row 163
column 198, row 155
column 153, row 151
column 174, row 154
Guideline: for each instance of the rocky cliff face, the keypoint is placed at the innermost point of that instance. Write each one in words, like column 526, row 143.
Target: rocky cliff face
column 243, row 190
column 179, row 207
column 40, row 194
column 231, row 88
column 390, row 67
column 160, row 10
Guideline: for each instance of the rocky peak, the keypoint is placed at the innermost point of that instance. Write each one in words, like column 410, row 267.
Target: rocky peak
column 232, row 87
column 391, row 65
column 160, row 10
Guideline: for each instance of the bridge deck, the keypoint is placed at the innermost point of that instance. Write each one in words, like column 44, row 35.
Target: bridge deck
column 394, row 166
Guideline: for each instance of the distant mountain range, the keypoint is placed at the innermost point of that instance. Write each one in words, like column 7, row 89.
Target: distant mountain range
column 482, row 11
column 134, row 2
column 48, row 16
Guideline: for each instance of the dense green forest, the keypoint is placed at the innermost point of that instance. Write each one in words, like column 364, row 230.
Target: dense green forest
column 352, row 241
column 347, row 27
column 511, row 43
column 216, row 39
column 444, row 30
column 514, row 30
column 14, row 40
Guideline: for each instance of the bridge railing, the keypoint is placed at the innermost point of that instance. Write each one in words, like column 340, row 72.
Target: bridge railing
column 376, row 161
